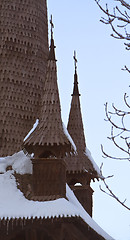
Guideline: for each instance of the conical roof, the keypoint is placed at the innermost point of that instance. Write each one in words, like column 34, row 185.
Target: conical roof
column 81, row 161
column 49, row 136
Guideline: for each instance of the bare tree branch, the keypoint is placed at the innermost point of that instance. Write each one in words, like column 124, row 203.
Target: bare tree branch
column 125, row 97
column 124, row 3
column 105, row 155
column 110, row 192
column 120, row 134
column 119, row 20
column 119, row 113
column 126, row 69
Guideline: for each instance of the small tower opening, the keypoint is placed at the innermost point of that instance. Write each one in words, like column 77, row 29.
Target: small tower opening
column 47, row 154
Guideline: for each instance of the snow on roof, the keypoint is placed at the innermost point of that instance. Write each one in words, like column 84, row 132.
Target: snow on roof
column 19, row 206
column 96, row 168
column 69, row 137
column 13, row 204
column 32, row 130
column 85, row 216
column 19, row 162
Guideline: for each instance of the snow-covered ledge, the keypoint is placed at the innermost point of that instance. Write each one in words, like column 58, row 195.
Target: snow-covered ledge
column 20, row 207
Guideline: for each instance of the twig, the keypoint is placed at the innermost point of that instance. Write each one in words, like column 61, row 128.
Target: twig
column 111, row 193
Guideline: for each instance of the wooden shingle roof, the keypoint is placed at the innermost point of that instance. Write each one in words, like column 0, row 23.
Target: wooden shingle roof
column 79, row 162
column 49, row 134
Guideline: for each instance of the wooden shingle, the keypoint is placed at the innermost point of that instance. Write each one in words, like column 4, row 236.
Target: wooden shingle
column 49, row 134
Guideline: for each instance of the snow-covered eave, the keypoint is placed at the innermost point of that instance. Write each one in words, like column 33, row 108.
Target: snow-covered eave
column 21, row 208
column 32, row 130
column 95, row 166
column 69, row 138
column 94, row 175
column 6, row 218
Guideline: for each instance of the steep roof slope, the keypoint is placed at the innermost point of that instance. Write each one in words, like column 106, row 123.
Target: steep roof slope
column 83, row 160
column 50, row 131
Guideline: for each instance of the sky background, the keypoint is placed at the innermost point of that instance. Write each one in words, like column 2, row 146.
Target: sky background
column 100, row 59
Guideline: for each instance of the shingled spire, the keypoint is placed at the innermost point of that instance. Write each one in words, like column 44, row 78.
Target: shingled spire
column 49, row 136
column 75, row 124
column 80, row 167
column 75, row 128
column 48, row 141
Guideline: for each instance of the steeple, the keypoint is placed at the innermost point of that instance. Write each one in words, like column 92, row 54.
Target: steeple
column 75, row 123
column 81, row 161
column 48, row 141
column 49, row 136
column 80, row 167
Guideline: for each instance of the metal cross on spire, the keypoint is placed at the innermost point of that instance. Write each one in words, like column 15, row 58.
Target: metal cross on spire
column 75, row 60
column 52, row 26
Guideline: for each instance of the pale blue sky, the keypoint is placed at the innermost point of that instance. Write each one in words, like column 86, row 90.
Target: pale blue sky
column 100, row 59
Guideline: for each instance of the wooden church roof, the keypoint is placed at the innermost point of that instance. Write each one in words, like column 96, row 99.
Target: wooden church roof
column 82, row 161
column 50, row 131
column 16, row 211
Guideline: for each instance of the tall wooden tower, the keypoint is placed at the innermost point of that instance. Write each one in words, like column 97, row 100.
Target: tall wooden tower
column 48, row 141
column 80, row 167
column 23, row 55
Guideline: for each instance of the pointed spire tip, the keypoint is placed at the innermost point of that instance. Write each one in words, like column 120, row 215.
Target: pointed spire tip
column 75, row 61
column 75, row 90
column 52, row 26
column 52, row 46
